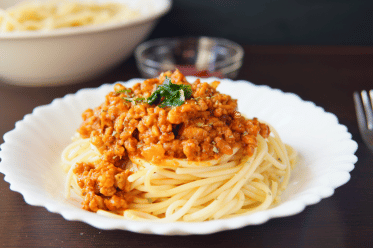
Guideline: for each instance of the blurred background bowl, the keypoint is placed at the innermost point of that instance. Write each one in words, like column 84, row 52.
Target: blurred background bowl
column 71, row 55
column 193, row 56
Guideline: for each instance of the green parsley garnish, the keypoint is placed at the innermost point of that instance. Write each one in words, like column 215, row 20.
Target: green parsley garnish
column 166, row 95
column 123, row 91
column 169, row 94
column 139, row 99
column 134, row 100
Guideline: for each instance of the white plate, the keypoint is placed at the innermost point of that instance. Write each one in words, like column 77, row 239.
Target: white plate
column 30, row 155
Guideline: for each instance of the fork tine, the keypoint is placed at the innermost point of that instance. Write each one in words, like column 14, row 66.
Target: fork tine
column 368, row 109
column 359, row 112
column 365, row 120
column 371, row 98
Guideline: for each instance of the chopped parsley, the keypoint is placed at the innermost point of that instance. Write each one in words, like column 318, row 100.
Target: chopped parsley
column 169, row 94
column 166, row 95
column 123, row 91
column 134, row 100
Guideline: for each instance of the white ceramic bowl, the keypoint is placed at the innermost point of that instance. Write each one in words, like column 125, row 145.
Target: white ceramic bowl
column 30, row 155
column 71, row 55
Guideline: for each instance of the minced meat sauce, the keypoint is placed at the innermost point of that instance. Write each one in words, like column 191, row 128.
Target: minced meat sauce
column 204, row 127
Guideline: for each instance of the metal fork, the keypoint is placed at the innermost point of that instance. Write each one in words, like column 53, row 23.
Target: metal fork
column 364, row 113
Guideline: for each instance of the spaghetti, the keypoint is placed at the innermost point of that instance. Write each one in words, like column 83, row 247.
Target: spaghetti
column 179, row 188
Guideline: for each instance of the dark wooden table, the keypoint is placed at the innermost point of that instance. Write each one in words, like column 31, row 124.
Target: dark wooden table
column 326, row 76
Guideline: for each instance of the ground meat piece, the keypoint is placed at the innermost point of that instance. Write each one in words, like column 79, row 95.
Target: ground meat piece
column 193, row 132
column 100, row 183
column 93, row 202
column 223, row 146
column 115, row 203
column 191, row 148
column 153, row 152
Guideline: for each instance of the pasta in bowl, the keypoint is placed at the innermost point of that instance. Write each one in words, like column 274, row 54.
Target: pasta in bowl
column 61, row 42
column 323, row 163
column 45, row 16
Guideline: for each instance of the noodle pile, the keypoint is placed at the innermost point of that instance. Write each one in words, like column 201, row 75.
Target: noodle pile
column 49, row 15
column 231, row 186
